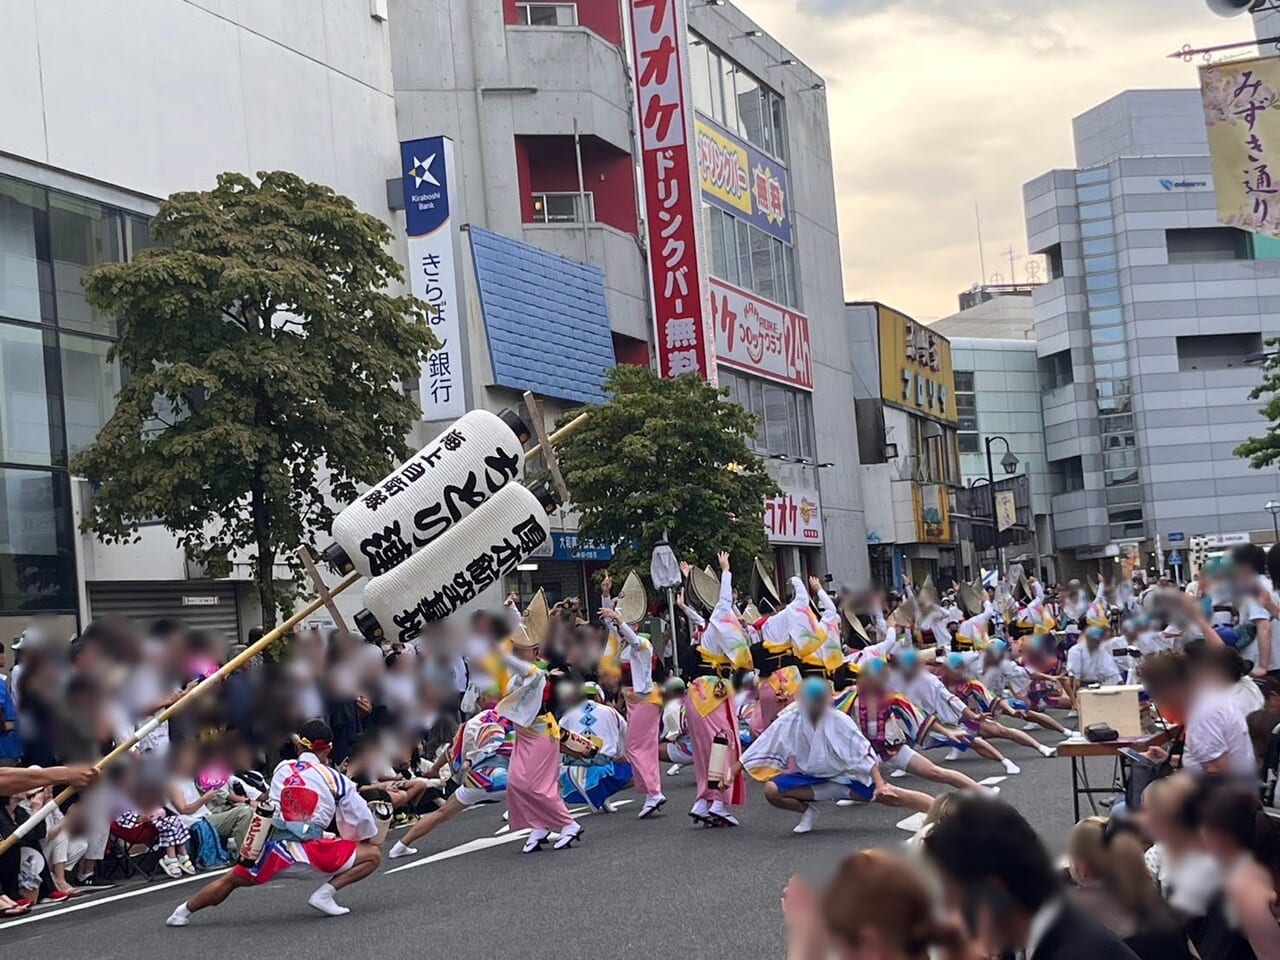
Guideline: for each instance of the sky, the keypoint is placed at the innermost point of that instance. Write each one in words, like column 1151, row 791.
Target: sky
column 940, row 105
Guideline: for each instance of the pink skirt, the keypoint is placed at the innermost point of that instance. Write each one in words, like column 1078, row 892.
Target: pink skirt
column 702, row 731
column 533, row 784
column 643, row 722
column 767, row 712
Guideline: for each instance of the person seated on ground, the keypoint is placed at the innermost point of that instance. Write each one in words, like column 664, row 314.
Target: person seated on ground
column 369, row 768
column 62, row 846
column 997, row 874
column 1105, row 860
column 876, row 907
column 1245, row 841
column 20, row 881
column 196, row 796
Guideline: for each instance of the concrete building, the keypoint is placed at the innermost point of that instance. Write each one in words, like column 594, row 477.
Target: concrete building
column 538, row 99
column 1143, row 331
column 991, row 311
column 107, row 109
column 905, row 397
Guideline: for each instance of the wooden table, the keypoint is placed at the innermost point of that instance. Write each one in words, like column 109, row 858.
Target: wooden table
column 1081, row 750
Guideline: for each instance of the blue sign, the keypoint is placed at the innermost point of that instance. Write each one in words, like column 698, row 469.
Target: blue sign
column 1175, row 558
column 566, row 546
column 1178, row 537
column 742, row 181
column 426, row 184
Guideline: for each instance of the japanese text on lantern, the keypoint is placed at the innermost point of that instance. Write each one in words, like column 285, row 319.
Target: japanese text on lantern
column 671, row 197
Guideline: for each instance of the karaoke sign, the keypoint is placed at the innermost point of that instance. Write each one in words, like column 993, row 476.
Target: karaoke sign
column 760, row 337
column 672, row 203
column 427, row 174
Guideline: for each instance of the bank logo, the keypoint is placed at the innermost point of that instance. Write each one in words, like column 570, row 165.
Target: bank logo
column 421, row 172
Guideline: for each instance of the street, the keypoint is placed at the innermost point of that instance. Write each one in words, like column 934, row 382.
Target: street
column 469, row 895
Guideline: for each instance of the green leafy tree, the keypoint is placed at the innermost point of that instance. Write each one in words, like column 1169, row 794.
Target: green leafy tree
column 667, row 454
column 264, row 358
column 1264, row 451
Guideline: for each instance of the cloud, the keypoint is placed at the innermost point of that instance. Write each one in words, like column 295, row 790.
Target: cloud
column 936, row 106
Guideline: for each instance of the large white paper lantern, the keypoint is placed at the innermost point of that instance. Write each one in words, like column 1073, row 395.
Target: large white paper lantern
column 429, row 494
column 449, row 573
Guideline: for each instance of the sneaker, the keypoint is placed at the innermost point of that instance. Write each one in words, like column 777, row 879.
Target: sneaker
column 674, row 769
column 399, row 850
column 172, row 866
column 187, row 866
column 93, row 882
column 806, row 819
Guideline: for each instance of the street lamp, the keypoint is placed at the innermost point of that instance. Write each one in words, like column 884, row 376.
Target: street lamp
column 1273, row 507
column 1010, row 465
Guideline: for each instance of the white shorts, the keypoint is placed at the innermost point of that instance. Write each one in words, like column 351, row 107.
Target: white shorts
column 678, row 754
column 902, row 758
column 833, row 791
column 470, row 796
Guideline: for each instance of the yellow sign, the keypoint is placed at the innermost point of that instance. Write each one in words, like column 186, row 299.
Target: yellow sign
column 915, row 367
column 1242, row 115
column 933, row 512
column 724, row 167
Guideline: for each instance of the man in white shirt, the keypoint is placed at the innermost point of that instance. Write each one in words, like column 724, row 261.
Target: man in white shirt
column 1216, row 736
column 1091, row 661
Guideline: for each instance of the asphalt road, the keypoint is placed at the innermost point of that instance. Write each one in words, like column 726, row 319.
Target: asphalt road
column 660, row 886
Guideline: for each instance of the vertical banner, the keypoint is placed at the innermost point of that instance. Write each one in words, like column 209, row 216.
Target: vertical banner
column 673, row 208
column 433, row 270
column 1006, row 510
column 1242, row 116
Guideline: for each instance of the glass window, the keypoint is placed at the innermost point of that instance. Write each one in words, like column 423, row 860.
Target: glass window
column 90, row 384
column 1105, row 318
column 1101, row 191
column 780, row 421
column 751, row 108
column 744, row 231
column 701, row 76
column 755, row 389
column 29, row 422
column 778, row 110
column 1096, row 228
column 26, row 285
column 1084, row 177
column 804, row 407
column 1092, row 211
column 1113, row 370
column 1108, row 352
column 1116, row 424
column 715, row 237
column 727, row 70
column 1108, row 334
column 548, row 14
column 1101, row 245
column 1108, row 298
column 762, row 264
column 969, row 443
column 1101, row 281
column 37, row 568
column 563, row 208
column 139, row 233
column 82, row 235
column 1129, row 493
column 1100, row 264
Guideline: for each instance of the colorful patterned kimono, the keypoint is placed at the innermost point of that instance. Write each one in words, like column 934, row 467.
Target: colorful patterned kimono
column 973, row 692
column 533, row 779
column 486, row 740
column 797, row 625
column 723, row 637
column 888, row 720
column 795, row 752
column 644, row 711
column 973, row 632
column 593, row 781
column 709, row 711
column 774, row 692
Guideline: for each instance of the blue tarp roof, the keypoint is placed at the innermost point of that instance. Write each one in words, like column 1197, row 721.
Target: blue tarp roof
column 545, row 319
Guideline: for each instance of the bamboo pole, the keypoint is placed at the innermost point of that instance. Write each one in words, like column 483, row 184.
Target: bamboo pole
column 178, row 706
column 579, row 421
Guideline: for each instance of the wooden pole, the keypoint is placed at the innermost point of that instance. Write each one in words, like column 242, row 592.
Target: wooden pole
column 177, row 707
column 546, row 445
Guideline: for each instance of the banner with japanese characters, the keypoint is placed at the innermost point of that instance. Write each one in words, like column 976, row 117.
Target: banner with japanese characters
column 672, row 206
column 427, row 166
column 744, row 182
column 1242, row 115
column 760, row 337
column 794, row 516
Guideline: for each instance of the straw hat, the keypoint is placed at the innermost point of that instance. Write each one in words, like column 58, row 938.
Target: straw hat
column 768, row 590
column 537, row 621
column 705, row 587
column 632, row 601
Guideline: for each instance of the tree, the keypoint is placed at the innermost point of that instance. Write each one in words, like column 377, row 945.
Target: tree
column 667, row 454
column 264, row 359
column 1265, row 450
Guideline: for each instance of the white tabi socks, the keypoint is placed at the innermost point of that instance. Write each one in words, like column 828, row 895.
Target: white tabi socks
column 400, row 850
column 323, row 901
column 180, row 917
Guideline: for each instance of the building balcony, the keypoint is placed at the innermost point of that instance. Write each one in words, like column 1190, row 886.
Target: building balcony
column 573, row 74
column 613, row 251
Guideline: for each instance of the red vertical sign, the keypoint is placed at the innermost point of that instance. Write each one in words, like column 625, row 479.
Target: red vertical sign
column 671, row 194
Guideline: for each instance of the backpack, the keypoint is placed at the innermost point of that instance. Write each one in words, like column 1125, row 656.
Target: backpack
column 208, row 847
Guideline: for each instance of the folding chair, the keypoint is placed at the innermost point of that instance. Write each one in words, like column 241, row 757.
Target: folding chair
column 123, row 856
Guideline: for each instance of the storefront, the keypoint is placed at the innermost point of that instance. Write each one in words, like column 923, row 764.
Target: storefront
column 564, row 567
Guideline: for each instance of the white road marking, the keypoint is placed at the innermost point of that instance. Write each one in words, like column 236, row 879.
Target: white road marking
column 99, row 901
column 912, row 823
column 991, row 781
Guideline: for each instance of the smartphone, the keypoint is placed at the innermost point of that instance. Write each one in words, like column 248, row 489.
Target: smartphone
column 1132, row 754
